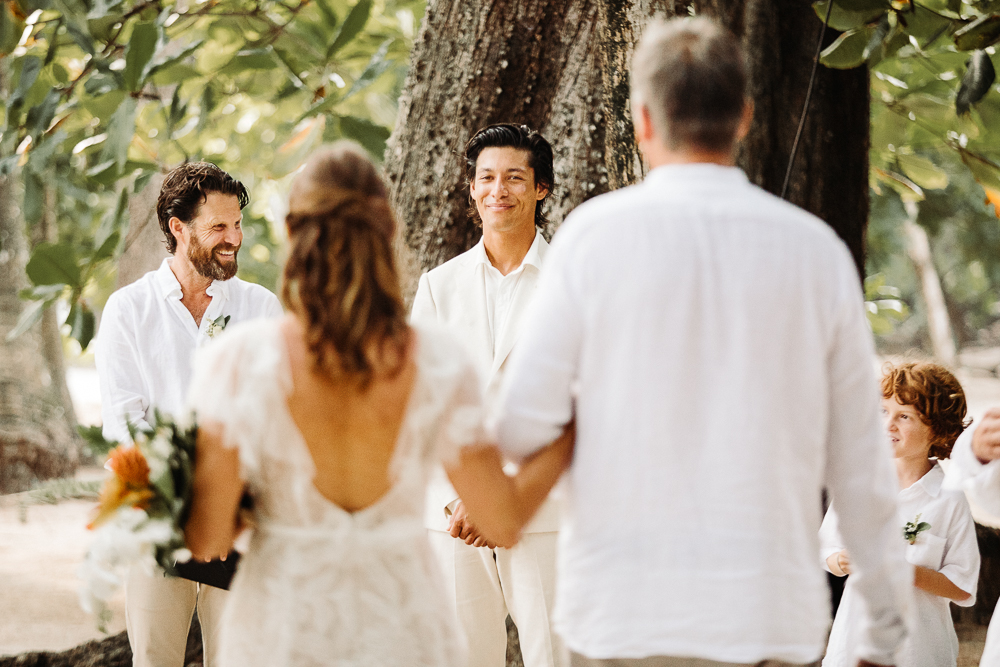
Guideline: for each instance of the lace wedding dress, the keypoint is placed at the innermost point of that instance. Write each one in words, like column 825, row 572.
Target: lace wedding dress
column 320, row 585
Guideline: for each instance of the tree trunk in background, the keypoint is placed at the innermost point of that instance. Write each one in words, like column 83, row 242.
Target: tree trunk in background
column 144, row 244
column 36, row 440
column 918, row 247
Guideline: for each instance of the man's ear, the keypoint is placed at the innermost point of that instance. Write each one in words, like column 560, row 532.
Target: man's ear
column 643, row 122
column 746, row 119
column 177, row 227
column 541, row 191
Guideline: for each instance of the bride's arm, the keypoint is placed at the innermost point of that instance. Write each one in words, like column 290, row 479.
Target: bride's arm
column 216, row 492
column 500, row 505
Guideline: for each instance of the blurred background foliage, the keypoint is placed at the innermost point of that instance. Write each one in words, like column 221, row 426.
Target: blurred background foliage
column 96, row 96
column 935, row 147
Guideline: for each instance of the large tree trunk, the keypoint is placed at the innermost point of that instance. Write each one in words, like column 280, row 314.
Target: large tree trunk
column 36, row 437
column 561, row 66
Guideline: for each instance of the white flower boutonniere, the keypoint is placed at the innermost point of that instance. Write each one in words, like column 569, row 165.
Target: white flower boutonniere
column 914, row 528
column 217, row 325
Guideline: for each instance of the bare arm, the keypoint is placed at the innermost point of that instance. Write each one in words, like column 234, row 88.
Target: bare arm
column 501, row 505
column 936, row 583
column 216, row 492
column 986, row 437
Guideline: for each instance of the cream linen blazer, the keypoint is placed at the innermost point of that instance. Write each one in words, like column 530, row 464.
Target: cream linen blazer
column 454, row 295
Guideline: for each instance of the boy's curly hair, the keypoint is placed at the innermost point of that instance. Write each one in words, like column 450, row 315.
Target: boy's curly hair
column 937, row 396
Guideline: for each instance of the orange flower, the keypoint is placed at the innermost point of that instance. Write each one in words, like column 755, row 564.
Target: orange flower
column 993, row 197
column 128, row 487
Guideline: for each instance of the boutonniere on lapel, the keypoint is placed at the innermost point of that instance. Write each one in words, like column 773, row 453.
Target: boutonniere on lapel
column 914, row 528
column 217, row 325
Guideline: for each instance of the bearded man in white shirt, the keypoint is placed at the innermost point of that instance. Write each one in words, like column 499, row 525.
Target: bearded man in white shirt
column 481, row 295
column 710, row 340
column 149, row 332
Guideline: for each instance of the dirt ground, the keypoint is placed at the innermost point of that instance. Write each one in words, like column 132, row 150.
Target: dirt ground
column 41, row 545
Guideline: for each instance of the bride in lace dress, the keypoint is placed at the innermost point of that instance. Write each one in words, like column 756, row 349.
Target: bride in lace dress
column 331, row 418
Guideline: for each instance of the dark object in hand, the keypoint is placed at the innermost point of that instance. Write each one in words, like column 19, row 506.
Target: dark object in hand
column 218, row 572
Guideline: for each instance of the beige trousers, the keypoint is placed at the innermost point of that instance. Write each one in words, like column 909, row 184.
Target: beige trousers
column 577, row 660
column 487, row 584
column 158, row 611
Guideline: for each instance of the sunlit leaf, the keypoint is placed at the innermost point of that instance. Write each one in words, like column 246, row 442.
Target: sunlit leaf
column 984, row 170
column 907, row 189
column 376, row 67
column 54, row 264
column 138, row 53
column 979, row 34
column 352, row 25
column 923, row 172
column 121, row 128
column 848, row 50
column 366, row 133
column 31, row 314
column 82, row 322
column 843, row 19
column 31, row 66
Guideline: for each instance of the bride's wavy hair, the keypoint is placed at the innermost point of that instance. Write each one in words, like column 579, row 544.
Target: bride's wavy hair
column 340, row 277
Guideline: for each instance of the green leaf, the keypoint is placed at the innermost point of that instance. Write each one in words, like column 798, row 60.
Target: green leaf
column 165, row 62
column 907, row 189
column 121, row 129
column 40, row 117
column 926, row 25
column 251, row 59
column 10, row 29
column 34, row 197
column 848, row 50
column 922, row 526
column 376, row 66
column 366, row 133
column 329, row 17
column 94, row 437
column 979, row 34
column 979, row 76
column 862, row 5
column 54, row 264
column 842, row 19
column 138, row 53
column 107, row 248
column 353, row 24
column 29, row 72
column 984, row 170
column 31, row 314
column 923, row 172
column 81, row 319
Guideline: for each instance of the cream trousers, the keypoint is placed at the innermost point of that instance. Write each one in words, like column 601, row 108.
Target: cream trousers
column 487, row 584
column 158, row 611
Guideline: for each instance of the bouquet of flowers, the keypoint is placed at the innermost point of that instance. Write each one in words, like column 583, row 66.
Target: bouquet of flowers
column 141, row 512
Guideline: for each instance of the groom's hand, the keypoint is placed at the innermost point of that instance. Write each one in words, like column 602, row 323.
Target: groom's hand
column 462, row 529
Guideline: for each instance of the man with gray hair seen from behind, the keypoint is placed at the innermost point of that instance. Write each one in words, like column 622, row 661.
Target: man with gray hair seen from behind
column 710, row 340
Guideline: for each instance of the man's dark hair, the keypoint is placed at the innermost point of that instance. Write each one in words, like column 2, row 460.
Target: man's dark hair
column 186, row 188
column 508, row 135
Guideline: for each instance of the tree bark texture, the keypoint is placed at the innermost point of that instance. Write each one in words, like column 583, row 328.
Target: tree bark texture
column 36, row 439
column 562, row 68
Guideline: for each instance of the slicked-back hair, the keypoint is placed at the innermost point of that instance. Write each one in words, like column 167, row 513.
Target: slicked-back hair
column 691, row 75
column 522, row 137
column 186, row 188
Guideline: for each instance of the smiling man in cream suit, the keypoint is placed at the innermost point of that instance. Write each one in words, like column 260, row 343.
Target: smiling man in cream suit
column 482, row 295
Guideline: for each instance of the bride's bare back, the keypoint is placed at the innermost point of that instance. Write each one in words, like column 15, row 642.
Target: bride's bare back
column 351, row 433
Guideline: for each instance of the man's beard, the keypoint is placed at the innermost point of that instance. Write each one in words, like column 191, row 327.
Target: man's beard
column 207, row 264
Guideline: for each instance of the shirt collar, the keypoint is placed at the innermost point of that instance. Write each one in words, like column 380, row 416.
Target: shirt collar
column 931, row 482
column 168, row 285
column 532, row 258
column 694, row 173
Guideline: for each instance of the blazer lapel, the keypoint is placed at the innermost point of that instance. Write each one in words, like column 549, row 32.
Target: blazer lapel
column 476, row 319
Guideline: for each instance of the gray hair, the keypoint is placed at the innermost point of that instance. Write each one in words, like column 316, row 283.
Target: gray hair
column 691, row 75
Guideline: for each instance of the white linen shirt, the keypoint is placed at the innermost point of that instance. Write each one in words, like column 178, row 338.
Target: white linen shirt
column 711, row 341
column 148, row 338
column 501, row 289
column 948, row 546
